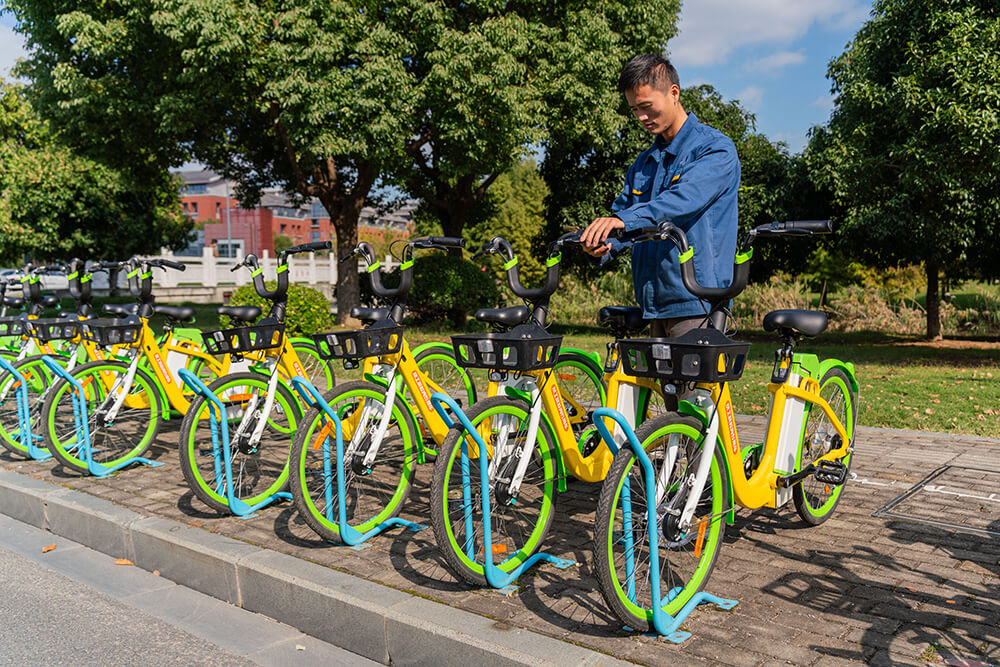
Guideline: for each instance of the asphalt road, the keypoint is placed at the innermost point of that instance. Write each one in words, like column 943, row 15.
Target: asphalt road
column 75, row 606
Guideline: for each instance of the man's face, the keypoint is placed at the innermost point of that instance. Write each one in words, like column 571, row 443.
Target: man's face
column 655, row 109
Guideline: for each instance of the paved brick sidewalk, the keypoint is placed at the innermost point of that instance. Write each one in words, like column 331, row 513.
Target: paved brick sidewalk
column 857, row 588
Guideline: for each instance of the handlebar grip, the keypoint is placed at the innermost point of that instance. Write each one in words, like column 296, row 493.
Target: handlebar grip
column 796, row 227
column 309, row 247
column 173, row 265
column 447, row 241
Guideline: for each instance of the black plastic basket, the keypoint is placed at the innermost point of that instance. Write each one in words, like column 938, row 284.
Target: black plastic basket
column 12, row 326
column 374, row 341
column 111, row 331
column 52, row 328
column 701, row 355
column 509, row 351
column 240, row 340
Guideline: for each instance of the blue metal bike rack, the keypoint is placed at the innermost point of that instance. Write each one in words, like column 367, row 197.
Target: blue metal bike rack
column 27, row 438
column 663, row 623
column 224, row 464
column 349, row 535
column 83, row 428
column 496, row 577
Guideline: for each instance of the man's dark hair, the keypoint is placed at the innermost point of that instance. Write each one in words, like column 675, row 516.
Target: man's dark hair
column 650, row 69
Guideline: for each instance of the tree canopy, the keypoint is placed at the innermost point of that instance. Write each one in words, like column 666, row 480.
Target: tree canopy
column 56, row 203
column 912, row 150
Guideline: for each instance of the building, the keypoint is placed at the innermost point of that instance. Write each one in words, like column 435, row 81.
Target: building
column 209, row 199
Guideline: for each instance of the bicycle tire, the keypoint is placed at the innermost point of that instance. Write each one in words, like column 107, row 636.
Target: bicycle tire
column 440, row 366
column 37, row 378
column 582, row 388
column 815, row 501
column 319, row 371
column 534, row 507
column 133, row 431
column 372, row 500
column 258, row 473
column 684, row 566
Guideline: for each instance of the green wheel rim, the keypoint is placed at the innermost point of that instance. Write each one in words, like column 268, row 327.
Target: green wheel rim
column 193, row 449
column 467, row 384
column 40, row 378
column 318, row 421
column 831, row 500
column 709, row 547
column 548, row 491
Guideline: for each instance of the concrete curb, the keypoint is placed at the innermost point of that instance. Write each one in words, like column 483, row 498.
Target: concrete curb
column 372, row 620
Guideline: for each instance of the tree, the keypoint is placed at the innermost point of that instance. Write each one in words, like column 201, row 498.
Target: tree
column 57, row 203
column 496, row 78
column 308, row 95
column 912, row 149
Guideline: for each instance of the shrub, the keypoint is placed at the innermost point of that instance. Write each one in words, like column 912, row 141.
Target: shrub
column 578, row 299
column 780, row 291
column 445, row 288
column 308, row 310
column 869, row 308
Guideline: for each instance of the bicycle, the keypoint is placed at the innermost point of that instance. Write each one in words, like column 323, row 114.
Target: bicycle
column 684, row 473
column 247, row 468
column 536, row 437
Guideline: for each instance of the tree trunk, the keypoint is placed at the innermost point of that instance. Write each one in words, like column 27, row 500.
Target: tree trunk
column 453, row 224
column 933, row 302
column 345, row 223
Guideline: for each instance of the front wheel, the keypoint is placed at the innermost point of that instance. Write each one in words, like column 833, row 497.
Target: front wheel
column 37, row 378
column 119, row 430
column 373, row 492
column 816, row 500
column 686, row 554
column 518, row 521
column 259, row 469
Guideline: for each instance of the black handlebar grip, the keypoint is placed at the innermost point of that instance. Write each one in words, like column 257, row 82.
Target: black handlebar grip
column 447, row 241
column 796, row 228
column 313, row 246
column 173, row 265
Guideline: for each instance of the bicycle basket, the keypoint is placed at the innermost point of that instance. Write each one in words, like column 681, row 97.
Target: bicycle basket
column 52, row 328
column 701, row 355
column 111, row 331
column 375, row 341
column 523, row 348
column 239, row 340
column 12, row 326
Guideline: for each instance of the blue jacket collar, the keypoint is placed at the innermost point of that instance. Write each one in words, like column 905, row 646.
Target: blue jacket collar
column 677, row 143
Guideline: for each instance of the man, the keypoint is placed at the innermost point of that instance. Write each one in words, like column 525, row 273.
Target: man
column 689, row 176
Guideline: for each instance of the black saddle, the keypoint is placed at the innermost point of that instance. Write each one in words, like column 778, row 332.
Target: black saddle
column 625, row 319
column 178, row 313
column 120, row 309
column 369, row 315
column 805, row 322
column 13, row 301
column 507, row 317
column 50, row 300
column 240, row 313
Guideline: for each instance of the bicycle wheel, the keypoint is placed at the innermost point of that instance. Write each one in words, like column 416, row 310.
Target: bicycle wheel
column 319, row 371
column 257, row 471
column 581, row 386
column 621, row 537
column 438, row 363
column 372, row 493
column 518, row 523
column 37, row 377
column 112, row 441
column 816, row 500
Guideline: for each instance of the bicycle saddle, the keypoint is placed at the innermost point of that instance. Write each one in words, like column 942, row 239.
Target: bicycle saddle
column 805, row 322
column 179, row 313
column 241, row 313
column 622, row 318
column 369, row 315
column 120, row 309
column 50, row 300
column 504, row 316
column 13, row 301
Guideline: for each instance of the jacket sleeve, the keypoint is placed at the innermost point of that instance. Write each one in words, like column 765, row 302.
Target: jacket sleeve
column 622, row 200
column 698, row 186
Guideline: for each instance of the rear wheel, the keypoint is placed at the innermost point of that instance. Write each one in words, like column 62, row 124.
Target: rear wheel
column 37, row 378
column 319, row 371
column 621, row 539
column 816, row 500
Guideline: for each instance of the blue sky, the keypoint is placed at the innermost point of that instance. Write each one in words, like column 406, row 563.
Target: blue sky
column 770, row 54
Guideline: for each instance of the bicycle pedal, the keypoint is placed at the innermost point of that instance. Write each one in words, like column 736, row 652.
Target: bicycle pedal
column 831, row 472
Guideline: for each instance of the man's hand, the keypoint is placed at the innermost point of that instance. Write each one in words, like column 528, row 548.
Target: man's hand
column 593, row 237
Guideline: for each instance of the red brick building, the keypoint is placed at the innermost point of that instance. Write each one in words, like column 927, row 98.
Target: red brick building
column 208, row 198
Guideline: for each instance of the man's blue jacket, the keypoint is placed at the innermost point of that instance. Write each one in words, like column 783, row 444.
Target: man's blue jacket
column 693, row 181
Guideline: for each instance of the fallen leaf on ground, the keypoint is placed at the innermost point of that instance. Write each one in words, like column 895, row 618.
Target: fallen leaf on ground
column 124, row 561
column 156, row 572
column 300, row 647
column 49, row 548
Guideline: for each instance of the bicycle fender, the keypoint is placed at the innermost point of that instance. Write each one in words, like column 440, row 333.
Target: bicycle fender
column 421, row 448
column 432, row 345
column 189, row 333
column 690, row 409
column 847, row 367
column 593, row 356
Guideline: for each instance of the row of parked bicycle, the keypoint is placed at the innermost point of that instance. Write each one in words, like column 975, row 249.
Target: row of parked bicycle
column 263, row 419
